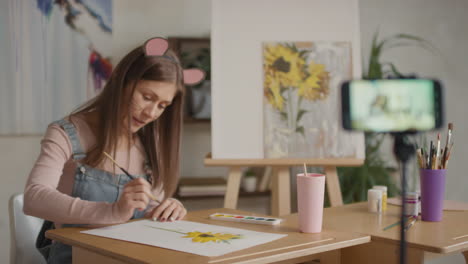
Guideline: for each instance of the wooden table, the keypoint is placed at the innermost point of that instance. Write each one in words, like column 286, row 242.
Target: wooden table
column 294, row 248
column 425, row 239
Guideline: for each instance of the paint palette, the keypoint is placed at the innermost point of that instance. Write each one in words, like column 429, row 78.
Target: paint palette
column 246, row 219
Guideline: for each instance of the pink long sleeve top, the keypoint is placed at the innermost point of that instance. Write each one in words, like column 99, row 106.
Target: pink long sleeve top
column 47, row 194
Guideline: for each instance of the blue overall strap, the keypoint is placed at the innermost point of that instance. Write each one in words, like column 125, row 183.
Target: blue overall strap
column 77, row 150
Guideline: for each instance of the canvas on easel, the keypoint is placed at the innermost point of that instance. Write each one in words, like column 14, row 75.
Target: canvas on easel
column 275, row 86
column 275, row 90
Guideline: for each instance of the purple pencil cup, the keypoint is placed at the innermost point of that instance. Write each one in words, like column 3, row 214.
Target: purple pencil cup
column 432, row 194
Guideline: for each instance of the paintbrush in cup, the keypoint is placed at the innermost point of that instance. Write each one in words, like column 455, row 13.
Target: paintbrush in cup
column 129, row 175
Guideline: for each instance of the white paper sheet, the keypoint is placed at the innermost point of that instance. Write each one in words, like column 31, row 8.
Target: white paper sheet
column 173, row 235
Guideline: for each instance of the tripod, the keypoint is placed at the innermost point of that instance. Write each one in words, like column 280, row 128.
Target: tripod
column 403, row 151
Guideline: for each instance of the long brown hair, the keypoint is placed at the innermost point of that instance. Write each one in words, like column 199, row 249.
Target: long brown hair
column 160, row 138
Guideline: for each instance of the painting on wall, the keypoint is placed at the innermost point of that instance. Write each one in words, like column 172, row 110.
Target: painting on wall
column 91, row 20
column 61, row 58
column 301, row 103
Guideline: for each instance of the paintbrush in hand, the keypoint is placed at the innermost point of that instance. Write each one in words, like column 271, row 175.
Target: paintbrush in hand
column 129, row 175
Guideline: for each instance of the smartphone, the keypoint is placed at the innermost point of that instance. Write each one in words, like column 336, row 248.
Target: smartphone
column 391, row 105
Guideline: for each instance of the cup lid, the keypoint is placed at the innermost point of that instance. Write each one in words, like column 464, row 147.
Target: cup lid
column 380, row 187
column 373, row 194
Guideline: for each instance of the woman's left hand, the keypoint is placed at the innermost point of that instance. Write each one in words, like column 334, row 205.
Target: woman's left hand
column 169, row 210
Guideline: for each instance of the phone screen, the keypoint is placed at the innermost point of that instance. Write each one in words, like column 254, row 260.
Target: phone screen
column 392, row 105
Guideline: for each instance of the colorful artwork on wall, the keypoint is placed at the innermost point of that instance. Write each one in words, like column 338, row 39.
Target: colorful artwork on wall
column 61, row 57
column 92, row 19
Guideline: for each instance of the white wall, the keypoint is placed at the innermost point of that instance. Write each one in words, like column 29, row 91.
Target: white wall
column 136, row 21
column 17, row 155
column 441, row 22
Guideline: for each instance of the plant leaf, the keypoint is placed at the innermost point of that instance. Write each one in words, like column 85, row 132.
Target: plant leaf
column 300, row 130
column 300, row 114
column 284, row 115
column 394, row 70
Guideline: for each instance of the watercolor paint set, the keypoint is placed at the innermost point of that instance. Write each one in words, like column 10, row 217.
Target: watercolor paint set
column 246, row 219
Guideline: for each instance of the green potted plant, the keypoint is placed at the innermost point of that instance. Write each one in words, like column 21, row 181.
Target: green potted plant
column 249, row 181
column 355, row 182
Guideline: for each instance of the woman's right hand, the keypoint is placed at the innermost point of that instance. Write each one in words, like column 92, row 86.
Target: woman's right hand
column 135, row 195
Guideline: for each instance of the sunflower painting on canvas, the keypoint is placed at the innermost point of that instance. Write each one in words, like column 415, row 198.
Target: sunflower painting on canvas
column 301, row 107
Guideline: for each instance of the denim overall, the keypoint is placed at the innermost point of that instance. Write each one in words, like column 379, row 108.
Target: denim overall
column 91, row 184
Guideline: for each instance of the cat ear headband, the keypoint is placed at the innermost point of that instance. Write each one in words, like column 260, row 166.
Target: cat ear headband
column 159, row 46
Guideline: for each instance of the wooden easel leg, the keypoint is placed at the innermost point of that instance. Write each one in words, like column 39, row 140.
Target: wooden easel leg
column 232, row 188
column 333, row 186
column 465, row 254
column 280, row 192
column 265, row 180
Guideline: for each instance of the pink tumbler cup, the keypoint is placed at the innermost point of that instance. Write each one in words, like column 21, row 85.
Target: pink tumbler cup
column 310, row 195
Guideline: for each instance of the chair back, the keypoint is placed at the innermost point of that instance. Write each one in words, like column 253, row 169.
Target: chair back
column 23, row 233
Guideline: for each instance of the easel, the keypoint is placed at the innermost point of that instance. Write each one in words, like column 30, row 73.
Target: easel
column 280, row 185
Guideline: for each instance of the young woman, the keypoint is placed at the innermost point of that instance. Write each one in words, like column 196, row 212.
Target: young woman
column 136, row 119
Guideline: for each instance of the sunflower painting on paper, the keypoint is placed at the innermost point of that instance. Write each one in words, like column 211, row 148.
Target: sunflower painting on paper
column 204, row 237
column 300, row 85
